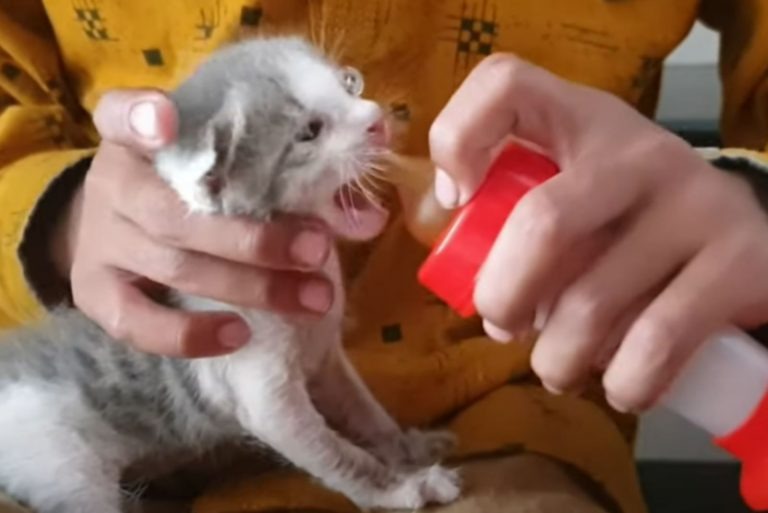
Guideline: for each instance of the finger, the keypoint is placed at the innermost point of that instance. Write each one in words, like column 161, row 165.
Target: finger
column 609, row 348
column 507, row 97
column 129, row 316
column 230, row 282
column 503, row 336
column 141, row 120
column 700, row 300
column 287, row 243
column 533, row 248
column 644, row 257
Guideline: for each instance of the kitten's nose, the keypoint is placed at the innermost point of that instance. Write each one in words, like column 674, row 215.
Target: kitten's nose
column 378, row 132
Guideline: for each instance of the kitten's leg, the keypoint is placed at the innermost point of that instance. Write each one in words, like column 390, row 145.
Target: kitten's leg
column 45, row 462
column 343, row 398
column 282, row 415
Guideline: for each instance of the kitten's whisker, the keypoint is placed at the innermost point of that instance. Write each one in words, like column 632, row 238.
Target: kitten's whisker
column 379, row 175
column 371, row 181
column 347, row 201
column 372, row 198
column 355, row 216
column 336, row 46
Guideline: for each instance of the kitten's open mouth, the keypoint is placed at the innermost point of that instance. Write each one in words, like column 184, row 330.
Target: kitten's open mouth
column 357, row 214
column 357, row 211
column 349, row 196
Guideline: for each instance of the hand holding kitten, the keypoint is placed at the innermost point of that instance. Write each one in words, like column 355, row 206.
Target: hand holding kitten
column 127, row 231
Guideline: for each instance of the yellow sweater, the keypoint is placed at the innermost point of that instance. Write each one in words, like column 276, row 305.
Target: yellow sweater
column 57, row 57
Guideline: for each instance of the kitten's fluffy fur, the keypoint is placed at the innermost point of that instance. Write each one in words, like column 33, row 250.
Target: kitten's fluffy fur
column 264, row 127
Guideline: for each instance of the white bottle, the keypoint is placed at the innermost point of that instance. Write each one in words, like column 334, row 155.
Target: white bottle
column 724, row 390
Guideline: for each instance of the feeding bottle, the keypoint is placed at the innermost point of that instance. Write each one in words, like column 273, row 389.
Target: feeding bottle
column 724, row 387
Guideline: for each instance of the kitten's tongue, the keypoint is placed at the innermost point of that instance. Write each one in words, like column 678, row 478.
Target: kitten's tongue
column 355, row 216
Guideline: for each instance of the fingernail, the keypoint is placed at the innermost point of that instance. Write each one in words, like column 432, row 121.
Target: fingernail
column 620, row 408
column 553, row 390
column 446, row 191
column 316, row 296
column 310, row 248
column 144, row 120
column 498, row 334
column 234, row 334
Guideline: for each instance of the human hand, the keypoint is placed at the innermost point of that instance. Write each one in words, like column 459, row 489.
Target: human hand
column 127, row 232
column 628, row 259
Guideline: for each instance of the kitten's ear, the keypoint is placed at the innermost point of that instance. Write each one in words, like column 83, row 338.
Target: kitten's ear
column 222, row 137
column 197, row 167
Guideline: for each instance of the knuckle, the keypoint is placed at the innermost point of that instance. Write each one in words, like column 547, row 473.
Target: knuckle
column 657, row 353
column 629, row 394
column 117, row 328
column 655, row 340
column 626, row 395
column 79, row 295
column 586, row 308
column 745, row 253
column 88, row 299
column 492, row 304
column 446, row 140
column 173, row 266
column 659, row 141
column 541, row 218
column 116, row 323
column 276, row 290
column 703, row 197
column 181, row 341
column 254, row 245
column 505, row 67
column 98, row 178
column 447, row 135
column 158, row 222
column 554, row 373
column 271, row 288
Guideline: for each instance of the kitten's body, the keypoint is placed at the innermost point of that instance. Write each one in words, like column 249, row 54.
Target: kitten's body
column 77, row 408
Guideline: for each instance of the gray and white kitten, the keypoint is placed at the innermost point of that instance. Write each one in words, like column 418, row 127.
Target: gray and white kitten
column 266, row 126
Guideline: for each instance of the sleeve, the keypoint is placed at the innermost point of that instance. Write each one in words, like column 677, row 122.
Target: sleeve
column 743, row 28
column 45, row 140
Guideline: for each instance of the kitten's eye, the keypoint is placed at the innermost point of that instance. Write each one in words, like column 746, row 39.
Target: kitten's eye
column 353, row 81
column 311, row 131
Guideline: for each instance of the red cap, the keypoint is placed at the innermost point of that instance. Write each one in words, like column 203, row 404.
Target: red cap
column 452, row 267
column 749, row 444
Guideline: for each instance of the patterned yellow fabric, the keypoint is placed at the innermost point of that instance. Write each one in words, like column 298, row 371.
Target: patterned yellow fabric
column 58, row 56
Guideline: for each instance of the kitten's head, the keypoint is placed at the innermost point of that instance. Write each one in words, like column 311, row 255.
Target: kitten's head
column 272, row 126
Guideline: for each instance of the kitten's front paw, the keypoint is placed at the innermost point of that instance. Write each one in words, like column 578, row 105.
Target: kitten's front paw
column 429, row 486
column 421, row 448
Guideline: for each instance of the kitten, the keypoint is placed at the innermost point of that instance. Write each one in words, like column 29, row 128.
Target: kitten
column 265, row 126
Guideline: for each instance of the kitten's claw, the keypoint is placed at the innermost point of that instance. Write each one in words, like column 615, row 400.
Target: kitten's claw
column 429, row 486
column 426, row 447
column 415, row 448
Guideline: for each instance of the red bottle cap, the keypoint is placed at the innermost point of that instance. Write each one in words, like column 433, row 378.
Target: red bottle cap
column 749, row 444
column 451, row 269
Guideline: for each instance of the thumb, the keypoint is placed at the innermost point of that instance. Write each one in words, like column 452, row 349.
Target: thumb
column 503, row 99
column 142, row 120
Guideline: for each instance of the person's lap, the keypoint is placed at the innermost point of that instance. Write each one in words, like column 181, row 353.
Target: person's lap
column 522, row 483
